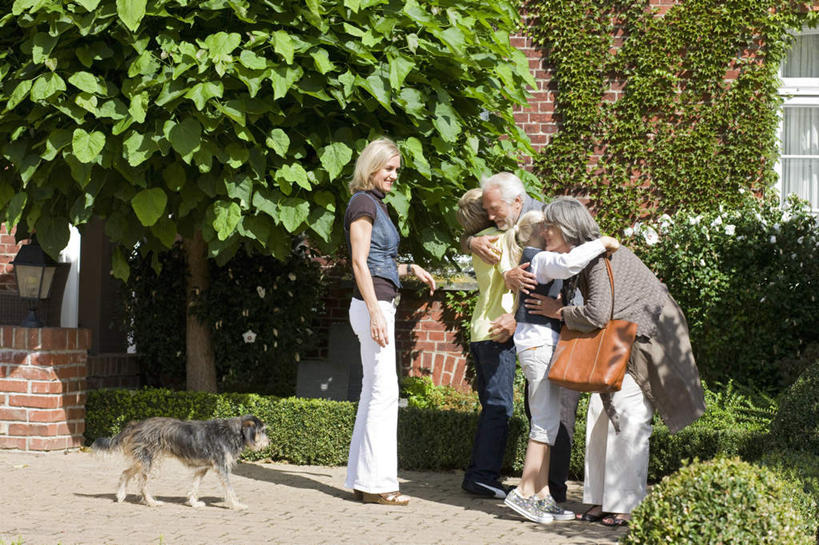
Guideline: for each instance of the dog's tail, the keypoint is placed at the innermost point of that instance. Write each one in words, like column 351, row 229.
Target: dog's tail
column 105, row 444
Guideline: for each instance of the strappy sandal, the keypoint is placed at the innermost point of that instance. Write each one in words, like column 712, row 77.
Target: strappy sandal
column 613, row 521
column 358, row 494
column 385, row 498
column 588, row 516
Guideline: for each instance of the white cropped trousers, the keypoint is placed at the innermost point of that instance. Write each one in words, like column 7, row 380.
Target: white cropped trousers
column 617, row 463
column 373, row 462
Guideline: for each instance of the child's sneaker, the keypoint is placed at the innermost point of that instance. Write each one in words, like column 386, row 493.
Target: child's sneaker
column 550, row 506
column 527, row 507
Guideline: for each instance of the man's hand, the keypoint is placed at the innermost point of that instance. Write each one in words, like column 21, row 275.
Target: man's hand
column 519, row 279
column 543, row 305
column 503, row 328
column 484, row 248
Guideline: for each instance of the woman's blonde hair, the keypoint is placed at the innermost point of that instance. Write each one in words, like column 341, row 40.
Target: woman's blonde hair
column 471, row 215
column 526, row 232
column 371, row 160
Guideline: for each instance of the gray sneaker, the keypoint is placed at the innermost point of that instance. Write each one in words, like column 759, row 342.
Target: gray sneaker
column 550, row 506
column 527, row 507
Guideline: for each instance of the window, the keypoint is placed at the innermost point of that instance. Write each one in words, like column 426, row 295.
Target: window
column 798, row 166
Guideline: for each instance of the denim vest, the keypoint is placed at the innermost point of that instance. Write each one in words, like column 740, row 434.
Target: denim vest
column 523, row 315
column 383, row 244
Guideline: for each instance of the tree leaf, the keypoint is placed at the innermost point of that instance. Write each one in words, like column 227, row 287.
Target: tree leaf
column 165, row 230
column 334, row 158
column 377, row 87
column 292, row 212
column 283, row 45
column 174, row 176
column 321, row 222
column 46, row 86
column 42, row 46
column 84, row 81
column 87, row 147
column 251, row 60
column 226, row 215
column 89, row 5
column 222, row 44
column 138, row 147
column 14, row 210
column 419, row 161
column 294, row 173
column 282, row 78
column 20, row 92
column 400, row 67
column 119, row 265
column 278, row 141
column 131, row 12
column 204, row 91
column 185, row 138
column 139, row 107
column 52, row 233
column 149, row 204
column 446, row 121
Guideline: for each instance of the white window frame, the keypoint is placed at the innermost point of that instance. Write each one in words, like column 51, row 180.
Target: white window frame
column 796, row 92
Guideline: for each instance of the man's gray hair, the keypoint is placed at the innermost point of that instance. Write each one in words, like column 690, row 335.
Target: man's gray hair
column 510, row 186
column 573, row 219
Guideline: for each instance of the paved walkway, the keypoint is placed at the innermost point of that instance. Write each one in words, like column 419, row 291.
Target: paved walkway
column 68, row 498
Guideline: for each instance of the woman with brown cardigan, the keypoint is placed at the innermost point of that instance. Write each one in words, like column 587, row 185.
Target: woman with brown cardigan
column 661, row 374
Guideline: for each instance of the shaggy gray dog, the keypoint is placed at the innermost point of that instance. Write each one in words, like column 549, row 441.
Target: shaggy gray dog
column 201, row 445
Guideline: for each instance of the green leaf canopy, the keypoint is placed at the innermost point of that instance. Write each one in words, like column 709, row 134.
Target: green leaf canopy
column 243, row 119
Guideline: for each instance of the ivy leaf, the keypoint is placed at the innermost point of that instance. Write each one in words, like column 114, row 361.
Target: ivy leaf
column 14, row 210
column 322, row 60
column 293, row 212
column 419, row 161
column 221, row 45
column 149, row 204
column 174, row 176
column 294, row 173
column 131, row 12
column 283, row 45
column 278, row 141
column 138, row 147
column 282, row 78
column 185, row 138
column 84, row 81
column 263, row 202
column 434, row 242
column 377, row 87
column 334, row 158
column 139, row 107
column 251, row 60
column 46, row 86
column 89, row 5
column 454, row 38
column 87, row 147
column 42, row 46
column 226, row 216
column 321, row 222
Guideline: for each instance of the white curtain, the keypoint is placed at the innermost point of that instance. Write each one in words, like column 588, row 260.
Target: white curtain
column 803, row 60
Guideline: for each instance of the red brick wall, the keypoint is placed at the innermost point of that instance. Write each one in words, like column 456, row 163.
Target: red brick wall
column 42, row 387
column 8, row 249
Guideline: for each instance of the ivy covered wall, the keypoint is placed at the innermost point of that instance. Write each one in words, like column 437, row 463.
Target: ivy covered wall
column 649, row 106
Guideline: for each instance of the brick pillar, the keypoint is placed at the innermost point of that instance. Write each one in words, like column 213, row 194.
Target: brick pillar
column 42, row 387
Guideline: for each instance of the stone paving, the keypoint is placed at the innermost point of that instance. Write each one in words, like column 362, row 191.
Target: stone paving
column 68, row 498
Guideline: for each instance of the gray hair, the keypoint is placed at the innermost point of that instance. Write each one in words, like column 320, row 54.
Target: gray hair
column 510, row 186
column 573, row 219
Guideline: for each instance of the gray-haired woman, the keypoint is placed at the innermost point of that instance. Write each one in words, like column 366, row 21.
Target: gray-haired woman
column 661, row 375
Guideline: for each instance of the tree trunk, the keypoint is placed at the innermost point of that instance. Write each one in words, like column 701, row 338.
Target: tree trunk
column 201, row 364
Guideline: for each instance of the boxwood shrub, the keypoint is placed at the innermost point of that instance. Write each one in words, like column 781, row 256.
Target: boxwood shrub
column 796, row 425
column 724, row 500
column 316, row 431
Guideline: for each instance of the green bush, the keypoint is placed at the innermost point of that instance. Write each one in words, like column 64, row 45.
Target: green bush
column 796, row 425
column 258, row 310
column 726, row 501
column 801, row 467
column 422, row 393
column 747, row 280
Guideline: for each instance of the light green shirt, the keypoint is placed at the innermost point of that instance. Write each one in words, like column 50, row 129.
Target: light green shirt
column 494, row 300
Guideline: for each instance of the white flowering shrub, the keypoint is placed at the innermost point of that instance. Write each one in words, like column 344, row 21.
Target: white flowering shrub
column 747, row 280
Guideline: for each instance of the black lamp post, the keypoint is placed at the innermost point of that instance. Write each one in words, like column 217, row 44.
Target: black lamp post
column 34, row 271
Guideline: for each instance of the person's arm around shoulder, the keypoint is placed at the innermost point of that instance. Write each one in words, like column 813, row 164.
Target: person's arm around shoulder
column 595, row 311
column 361, row 231
column 411, row 269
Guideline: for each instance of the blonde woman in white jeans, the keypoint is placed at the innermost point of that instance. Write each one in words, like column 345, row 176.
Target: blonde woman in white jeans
column 372, row 467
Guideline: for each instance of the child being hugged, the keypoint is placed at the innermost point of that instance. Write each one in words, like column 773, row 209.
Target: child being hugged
column 551, row 260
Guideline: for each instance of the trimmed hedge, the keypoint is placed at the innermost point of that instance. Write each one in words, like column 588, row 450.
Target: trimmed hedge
column 723, row 501
column 316, row 431
column 796, row 425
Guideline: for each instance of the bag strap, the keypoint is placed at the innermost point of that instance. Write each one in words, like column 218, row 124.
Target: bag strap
column 607, row 258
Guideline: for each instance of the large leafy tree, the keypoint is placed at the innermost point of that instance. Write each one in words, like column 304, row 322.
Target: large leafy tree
column 235, row 123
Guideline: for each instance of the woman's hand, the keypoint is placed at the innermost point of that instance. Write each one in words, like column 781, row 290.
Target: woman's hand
column 423, row 276
column 378, row 327
column 610, row 244
column 544, row 305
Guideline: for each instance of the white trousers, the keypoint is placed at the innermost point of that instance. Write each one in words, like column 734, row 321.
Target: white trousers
column 617, row 462
column 373, row 462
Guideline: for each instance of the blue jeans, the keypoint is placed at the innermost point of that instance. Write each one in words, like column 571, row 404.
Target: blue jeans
column 495, row 370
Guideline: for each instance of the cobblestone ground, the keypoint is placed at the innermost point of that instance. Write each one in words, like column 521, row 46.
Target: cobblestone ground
column 68, row 498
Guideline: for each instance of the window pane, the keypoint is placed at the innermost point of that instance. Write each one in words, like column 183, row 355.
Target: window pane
column 803, row 60
column 800, row 131
column 801, row 176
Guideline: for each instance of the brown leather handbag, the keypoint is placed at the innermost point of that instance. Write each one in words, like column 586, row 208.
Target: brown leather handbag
column 594, row 361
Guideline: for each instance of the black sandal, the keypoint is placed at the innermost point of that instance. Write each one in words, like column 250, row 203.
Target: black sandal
column 588, row 517
column 613, row 521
